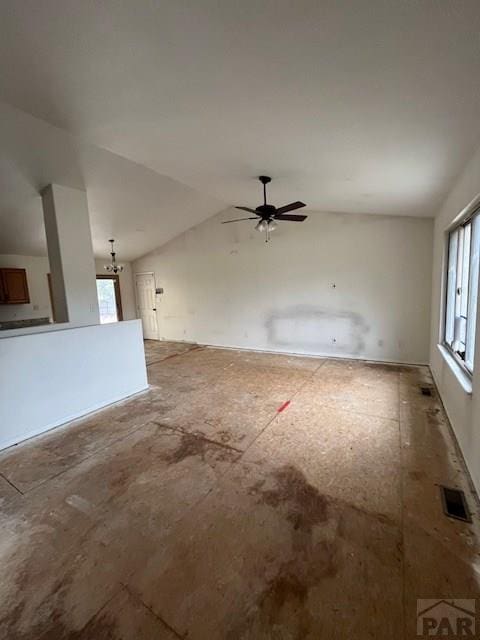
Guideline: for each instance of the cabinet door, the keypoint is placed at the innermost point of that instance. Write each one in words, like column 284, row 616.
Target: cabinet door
column 15, row 286
column 2, row 290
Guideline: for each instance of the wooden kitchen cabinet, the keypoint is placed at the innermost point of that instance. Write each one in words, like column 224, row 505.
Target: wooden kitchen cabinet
column 13, row 286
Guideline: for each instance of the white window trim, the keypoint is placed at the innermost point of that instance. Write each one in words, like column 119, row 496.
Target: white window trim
column 464, row 214
column 463, row 375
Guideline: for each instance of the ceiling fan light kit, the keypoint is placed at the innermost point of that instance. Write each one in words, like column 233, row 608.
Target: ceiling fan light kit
column 261, row 226
column 270, row 215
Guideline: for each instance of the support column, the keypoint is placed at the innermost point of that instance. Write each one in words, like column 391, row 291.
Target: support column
column 70, row 253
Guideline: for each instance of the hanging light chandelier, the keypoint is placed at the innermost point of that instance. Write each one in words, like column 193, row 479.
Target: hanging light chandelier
column 113, row 267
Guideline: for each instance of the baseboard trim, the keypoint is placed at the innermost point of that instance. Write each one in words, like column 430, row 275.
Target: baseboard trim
column 415, row 363
column 458, row 447
column 6, row 444
column 312, row 355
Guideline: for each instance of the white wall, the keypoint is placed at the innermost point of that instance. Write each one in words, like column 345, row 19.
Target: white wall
column 463, row 408
column 225, row 286
column 127, row 290
column 88, row 368
column 37, row 269
column 70, row 253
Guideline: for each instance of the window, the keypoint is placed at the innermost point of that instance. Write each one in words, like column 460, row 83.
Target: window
column 109, row 301
column 462, row 289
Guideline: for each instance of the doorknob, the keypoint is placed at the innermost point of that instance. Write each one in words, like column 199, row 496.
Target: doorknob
column 154, row 309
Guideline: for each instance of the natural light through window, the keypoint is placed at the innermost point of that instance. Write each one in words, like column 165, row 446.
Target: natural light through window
column 106, row 300
column 462, row 289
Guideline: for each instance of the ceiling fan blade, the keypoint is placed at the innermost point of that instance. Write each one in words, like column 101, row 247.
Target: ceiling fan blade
column 238, row 220
column 291, row 218
column 247, row 209
column 290, row 207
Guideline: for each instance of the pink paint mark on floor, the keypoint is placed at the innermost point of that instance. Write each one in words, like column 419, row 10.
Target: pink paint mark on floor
column 283, row 406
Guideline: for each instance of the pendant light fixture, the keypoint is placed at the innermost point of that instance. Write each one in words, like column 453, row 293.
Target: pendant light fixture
column 113, row 267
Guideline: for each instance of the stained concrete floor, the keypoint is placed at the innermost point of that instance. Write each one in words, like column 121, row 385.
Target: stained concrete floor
column 198, row 510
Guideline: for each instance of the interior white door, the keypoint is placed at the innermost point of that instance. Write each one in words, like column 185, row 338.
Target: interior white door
column 145, row 286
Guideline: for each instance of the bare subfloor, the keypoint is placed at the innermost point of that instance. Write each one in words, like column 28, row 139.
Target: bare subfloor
column 198, row 510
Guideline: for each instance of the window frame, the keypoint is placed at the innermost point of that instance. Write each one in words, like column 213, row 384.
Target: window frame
column 471, row 212
column 116, row 285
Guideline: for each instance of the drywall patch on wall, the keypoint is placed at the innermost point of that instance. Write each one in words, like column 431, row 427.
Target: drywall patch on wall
column 336, row 284
column 313, row 329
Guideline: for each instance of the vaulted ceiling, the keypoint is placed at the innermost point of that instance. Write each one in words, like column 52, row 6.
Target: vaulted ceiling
column 127, row 201
column 351, row 105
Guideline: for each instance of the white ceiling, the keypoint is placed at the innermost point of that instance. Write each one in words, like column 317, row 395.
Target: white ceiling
column 351, row 105
column 138, row 207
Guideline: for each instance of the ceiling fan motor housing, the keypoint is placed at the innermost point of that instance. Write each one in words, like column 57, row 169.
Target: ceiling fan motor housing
column 269, row 213
column 266, row 210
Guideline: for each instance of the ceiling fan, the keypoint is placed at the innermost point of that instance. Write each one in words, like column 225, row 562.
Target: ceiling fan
column 268, row 214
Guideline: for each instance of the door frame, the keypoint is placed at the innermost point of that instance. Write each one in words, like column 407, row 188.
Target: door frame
column 146, row 273
column 116, row 284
